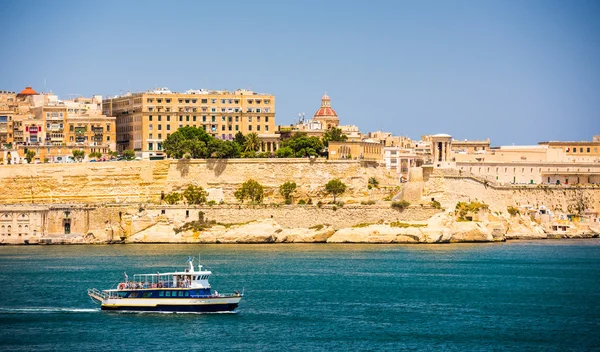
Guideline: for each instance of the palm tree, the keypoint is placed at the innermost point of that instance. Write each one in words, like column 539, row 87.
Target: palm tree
column 252, row 142
column 373, row 183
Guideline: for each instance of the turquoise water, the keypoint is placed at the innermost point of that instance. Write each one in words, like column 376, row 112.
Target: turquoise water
column 537, row 296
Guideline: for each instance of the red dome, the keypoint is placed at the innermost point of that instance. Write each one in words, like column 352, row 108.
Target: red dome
column 325, row 111
column 28, row 91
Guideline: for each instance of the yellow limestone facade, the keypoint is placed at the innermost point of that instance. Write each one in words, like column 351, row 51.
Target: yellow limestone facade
column 145, row 120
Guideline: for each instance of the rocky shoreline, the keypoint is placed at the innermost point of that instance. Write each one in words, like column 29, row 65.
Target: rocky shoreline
column 441, row 228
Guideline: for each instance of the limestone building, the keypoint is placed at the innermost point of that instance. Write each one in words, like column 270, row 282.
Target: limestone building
column 52, row 128
column 145, row 120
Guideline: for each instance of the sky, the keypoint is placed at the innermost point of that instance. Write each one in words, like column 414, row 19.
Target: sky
column 517, row 72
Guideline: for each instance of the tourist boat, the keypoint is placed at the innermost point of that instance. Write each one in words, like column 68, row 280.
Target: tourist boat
column 181, row 291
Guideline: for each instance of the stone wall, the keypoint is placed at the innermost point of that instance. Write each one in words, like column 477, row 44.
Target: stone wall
column 449, row 188
column 144, row 181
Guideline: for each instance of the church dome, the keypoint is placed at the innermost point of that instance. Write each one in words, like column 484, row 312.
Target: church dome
column 28, row 91
column 325, row 110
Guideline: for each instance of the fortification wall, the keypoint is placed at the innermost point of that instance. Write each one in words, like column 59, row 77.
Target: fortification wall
column 144, row 181
column 450, row 189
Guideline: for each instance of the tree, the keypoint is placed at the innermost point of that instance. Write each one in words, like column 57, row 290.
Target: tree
column 303, row 146
column 284, row 152
column 239, row 139
column 173, row 198
column 194, row 194
column 29, row 156
column 95, row 155
column 287, row 190
column 128, row 154
column 333, row 134
column 373, row 183
column 252, row 142
column 190, row 140
column 221, row 149
column 251, row 190
column 335, row 187
column 78, row 154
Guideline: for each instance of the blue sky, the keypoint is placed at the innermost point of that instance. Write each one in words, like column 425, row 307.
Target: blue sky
column 513, row 71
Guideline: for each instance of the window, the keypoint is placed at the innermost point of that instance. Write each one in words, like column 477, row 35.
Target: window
column 161, row 293
column 150, row 136
column 588, row 150
column 250, row 128
column 160, row 136
column 213, row 110
column 159, row 127
column 168, row 118
column 150, row 118
column 266, row 127
column 223, row 119
column 159, row 118
column 249, row 118
column 257, row 118
column 150, row 146
column 237, row 128
column 194, row 118
column 237, row 119
column 266, row 118
column 223, row 128
column 163, row 211
column 258, row 127
column 204, row 118
column 574, row 150
column 150, row 127
column 214, row 118
column 214, row 101
column 168, row 127
column 168, row 293
column 581, row 150
column 204, row 101
column 180, row 118
column 187, row 118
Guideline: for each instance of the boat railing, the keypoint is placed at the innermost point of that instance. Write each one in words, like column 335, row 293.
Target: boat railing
column 97, row 294
column 218, row 295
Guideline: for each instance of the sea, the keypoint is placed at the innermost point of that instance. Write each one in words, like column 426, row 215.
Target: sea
column 513, row 296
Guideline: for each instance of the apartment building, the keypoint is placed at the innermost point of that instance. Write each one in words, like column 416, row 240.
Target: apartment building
column 145, row 120
column 53, row 128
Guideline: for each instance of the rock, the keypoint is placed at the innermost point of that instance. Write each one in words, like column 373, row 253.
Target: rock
column 470, row 231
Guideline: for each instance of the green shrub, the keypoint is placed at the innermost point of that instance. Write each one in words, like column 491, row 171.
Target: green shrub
column 368, row 202
column 405, row 225
column 362, row 224
column 173, row 198
column 212, row 202
column 301, row 202
column 401, row 205
column 463, row 208
column 434, row 203
column 513, row 211
column 251, row 190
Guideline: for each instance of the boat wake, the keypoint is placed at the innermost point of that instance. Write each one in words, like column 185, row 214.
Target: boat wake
column 47, row 310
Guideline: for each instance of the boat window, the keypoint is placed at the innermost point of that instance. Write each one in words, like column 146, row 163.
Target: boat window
column 168, row 293
column 147, row 295
column 161, row 293
column 173, row 293
column 187, row 294
column 180, row 293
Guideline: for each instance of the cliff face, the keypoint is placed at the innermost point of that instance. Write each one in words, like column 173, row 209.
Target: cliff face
column 143, row 181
